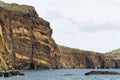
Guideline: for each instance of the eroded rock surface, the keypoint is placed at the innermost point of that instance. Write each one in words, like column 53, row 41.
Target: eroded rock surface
column 25, row 39
column 76, row 58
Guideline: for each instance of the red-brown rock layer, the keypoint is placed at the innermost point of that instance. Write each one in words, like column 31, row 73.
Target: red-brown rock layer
column 75, row 58
column 26, row 38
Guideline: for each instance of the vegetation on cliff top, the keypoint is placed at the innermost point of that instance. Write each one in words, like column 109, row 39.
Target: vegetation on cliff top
column 16, row 7
column 117, row 51
column 115, row 54
column 64, row 49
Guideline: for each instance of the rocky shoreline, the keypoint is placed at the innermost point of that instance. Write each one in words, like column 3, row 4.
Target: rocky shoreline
column 102, row 73
column 11, row 73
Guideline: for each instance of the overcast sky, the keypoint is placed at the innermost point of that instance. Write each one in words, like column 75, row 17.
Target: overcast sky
column 85, row 24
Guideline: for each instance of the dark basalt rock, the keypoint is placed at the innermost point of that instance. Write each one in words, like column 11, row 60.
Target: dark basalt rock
column 1, row 74
column 11, row 73
column 102, row 73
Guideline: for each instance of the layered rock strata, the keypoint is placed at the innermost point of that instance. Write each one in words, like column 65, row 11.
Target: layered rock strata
column 25, row 38
column 76, row 58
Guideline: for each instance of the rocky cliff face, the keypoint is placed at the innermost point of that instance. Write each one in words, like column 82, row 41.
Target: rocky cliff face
column 25, row 38
column 26, row 43
column 75, row 58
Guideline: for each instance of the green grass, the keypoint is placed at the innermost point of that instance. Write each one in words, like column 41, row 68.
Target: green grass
column 115, row 54
column 64, row 49
column 117, row 51
column 16, row 7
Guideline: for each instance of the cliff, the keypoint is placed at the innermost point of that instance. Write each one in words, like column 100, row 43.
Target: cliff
column 25, row 38
column 76, row 58
column 26, row 43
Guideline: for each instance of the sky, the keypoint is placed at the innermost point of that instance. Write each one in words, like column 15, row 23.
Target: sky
column 85, row 24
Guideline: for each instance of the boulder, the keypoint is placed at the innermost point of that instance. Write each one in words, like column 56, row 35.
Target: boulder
column 11, row 73
column 102, row 73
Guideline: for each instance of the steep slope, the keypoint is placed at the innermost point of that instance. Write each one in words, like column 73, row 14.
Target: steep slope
column 115, row 54
column 25, row 38
column 75, row 58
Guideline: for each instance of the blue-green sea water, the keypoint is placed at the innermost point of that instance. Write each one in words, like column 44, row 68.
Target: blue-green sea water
column 64, row 74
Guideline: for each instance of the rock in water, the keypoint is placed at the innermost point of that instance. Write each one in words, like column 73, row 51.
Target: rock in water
column 11, row 73
column 7, row 74
column 102, row 73
column 1, row 74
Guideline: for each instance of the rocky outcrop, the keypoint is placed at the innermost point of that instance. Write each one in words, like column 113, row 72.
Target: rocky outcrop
column 102, row 73
column 25, row 39
column 11, row 73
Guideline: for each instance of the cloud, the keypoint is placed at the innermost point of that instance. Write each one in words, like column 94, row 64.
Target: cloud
column 100, row 27
column 92, row 27
column 53, row 15
column 87, row 15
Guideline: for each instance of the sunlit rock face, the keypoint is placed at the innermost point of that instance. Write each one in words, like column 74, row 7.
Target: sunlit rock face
column 25, row 39
column 76, row 58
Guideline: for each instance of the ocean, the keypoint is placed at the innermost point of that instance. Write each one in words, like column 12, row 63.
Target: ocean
column 63, row 74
